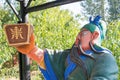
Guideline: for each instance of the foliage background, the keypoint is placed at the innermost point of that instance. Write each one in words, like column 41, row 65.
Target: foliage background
column 54, row 29
column 112, row 41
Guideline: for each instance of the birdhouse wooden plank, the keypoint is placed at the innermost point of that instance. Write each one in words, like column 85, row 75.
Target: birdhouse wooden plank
column 17, row 34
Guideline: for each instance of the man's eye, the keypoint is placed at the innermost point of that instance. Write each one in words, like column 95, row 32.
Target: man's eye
column 84, row 33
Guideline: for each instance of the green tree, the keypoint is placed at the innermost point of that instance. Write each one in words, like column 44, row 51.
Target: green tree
column 114, row 9
column 108, row 9
column 112, row 40
column 54, row 27
column 94, row 7
column 5, row 18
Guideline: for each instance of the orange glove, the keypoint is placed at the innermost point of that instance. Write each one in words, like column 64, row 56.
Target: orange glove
column 25, row 49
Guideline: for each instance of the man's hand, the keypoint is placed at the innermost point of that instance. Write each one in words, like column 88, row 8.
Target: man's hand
column 26, row 49
column 33, row 52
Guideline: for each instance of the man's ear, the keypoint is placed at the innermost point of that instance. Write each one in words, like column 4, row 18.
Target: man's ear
column 95, row 35
column 77, row 39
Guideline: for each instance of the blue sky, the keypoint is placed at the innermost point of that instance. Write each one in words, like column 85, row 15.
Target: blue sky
column 74, row 7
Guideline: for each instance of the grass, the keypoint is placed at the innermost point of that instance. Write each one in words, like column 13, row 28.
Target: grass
column 13, row 74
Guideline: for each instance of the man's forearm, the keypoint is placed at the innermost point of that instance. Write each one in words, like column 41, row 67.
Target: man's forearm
column 38, row 56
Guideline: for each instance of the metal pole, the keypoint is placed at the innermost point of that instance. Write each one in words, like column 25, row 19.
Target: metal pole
column 14, row 10
column 24, row 63
column 49, row 5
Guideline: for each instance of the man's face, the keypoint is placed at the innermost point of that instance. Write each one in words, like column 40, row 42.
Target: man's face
column 83, row 38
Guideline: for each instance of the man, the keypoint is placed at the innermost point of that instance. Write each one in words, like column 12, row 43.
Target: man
column 86, row 60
